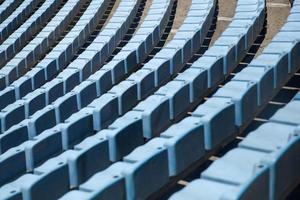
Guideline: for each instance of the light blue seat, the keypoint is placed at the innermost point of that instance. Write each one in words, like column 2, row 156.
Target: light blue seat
column 87, row 158
column 14, row 136
column 41, row 120
column 174, row 56
column 208, row 189
column 7, row 96
column 22, row 86
column 262, row 76
column 216, row 113
column 126, row 91
column 145, row 80
column 76, row 127
column 103, row 79
column 117, row 68
column 9, row 192
column 49, row 181
column 177, row 92
column 112, row 185
column 160, row 68
column 214, row 67
column 148, row 162
column 284, row 49
column 155, row 113
column 13, row 113
column 13, row 163
column 34, row 101
column 244, row 96
column 105, row 110
column 65, row 106
column 124, row 134
column 43, row 147
column 85, row 93
column 185, row 144
column 279, row 63
column 73, row 194
column 38, row 77
column 70, row 78
column 197, row 80
column 54, row 89
column 289, row 114
column 84, row 67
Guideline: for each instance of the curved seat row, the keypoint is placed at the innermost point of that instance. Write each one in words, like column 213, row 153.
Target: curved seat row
column 14, row 41
column 36, row 119
column 7, row 7
column 25, row 9
column 265, row 165
column 39, row 46
column 98, row 83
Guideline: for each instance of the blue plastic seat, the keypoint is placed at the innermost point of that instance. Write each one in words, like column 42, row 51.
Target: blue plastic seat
column 216, row 113
column 179, row 97
column 244, row 96
column 126, row 91
column 185, row 144
column 43, row 147
column 155, row 113
column 87, row 158
column 105, row 111
column 148, row 162
column 65, row 106
column 77, row 127
column 13, row 163
column 124, row 134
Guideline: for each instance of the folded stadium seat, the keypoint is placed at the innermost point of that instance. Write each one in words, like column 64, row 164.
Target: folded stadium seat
column 185, row 143
column 215, row 113
column 13, row 162
column 47, row 144
column 112, row 186
column 41, row 120
column 262, row 77
column 206, row 189
column 147, row 162
column 88, row 157
column 129, row 126
column 178, row 94
column 77, row 127
column 244, row 96
column 14, row 136
column 155, row 113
